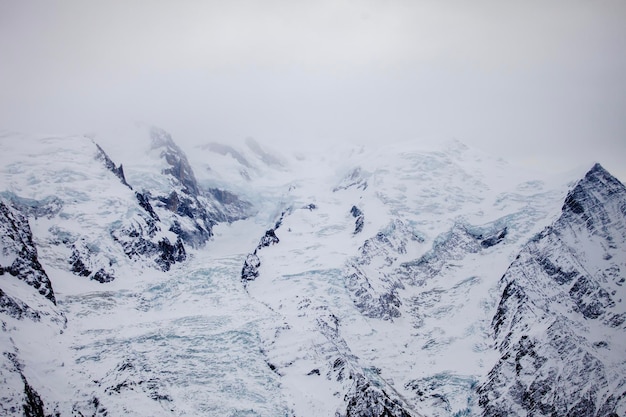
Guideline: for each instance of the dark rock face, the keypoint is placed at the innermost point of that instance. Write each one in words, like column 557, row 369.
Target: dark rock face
column 134, row 376
column 144, row 202
column 26, row 401
column 368, row 400
column 33, row 406
column 382, row 249
column 567, row 280
column 138, row 241
column 250, row 270
column 492, row 239
column 16, row 308
column 186, row 202
column 137, row 238
column 170, row 253
column 19, row 260
column 268, row 239
column 175, row 157
column 202, row 209
column 227, row 207
column 110, row 165
column 360, row 219
column 86, row 261
column 18, row 251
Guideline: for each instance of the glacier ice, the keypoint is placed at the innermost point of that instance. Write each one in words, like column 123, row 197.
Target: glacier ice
column 398, row 282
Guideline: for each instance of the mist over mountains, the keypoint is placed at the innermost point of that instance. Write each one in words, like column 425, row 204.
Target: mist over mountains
column 142, row 277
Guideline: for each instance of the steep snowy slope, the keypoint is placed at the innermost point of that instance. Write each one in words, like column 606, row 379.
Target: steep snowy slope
column 385, row 273
column 559, row 326
column 27, row 303
column 402, row 281
column 89, row 226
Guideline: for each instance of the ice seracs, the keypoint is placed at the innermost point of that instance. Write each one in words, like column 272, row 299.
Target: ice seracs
column 391, row 282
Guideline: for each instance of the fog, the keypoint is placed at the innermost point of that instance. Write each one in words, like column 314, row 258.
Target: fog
column 539, row 83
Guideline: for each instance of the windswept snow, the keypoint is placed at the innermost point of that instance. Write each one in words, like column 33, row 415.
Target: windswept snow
column 396, row 315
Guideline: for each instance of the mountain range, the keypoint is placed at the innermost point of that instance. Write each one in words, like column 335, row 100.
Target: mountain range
column 141, row 278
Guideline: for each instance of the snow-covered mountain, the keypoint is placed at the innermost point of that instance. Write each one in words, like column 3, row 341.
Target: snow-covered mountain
column 140, row 278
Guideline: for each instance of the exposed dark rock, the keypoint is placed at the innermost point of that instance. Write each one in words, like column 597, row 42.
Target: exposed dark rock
column 268, row 239
column 360, row 219
column 205, row 209
column 17, row 243
column 170, row 253
column 560, row 276
column 591, row 299
column 250, row 270
column 86, row 261
column 33, row 406
column 230, row 207
column 16, row 308
column 102, row 276
column 176, row 158
column 451, row 246
column 78, row 266
column 110, row 165
column 251, row 266
column 493, row 239
column 144, row 202
column 138, row 377
column 137, row 240
column 355, row 212
column 368, row 400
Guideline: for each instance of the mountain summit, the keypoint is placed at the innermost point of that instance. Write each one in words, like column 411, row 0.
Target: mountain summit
column 560, row 322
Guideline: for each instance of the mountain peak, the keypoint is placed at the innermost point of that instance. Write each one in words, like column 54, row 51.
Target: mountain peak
column 597, row 186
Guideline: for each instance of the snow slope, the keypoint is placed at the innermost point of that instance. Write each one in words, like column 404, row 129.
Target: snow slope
column 363, row 282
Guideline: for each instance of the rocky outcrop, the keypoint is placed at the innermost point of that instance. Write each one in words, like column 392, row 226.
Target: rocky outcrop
column 18, row 254
column 359, row 221
column 250, row 270
column 138, row 236
column 268, row 239
column 19, row 261
column 87, row 261
column 195, row 210
column 23, row 399
column 139, row 240
column 562, row 311
column 368, row 400
column 110, row 165
column 371, row 277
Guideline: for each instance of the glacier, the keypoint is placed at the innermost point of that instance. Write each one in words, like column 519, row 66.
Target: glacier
column 142, row 278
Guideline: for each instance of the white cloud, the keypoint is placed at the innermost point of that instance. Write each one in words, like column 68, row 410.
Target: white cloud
column 534, row 80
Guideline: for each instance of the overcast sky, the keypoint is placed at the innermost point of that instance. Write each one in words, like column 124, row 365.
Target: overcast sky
column 539, row 82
